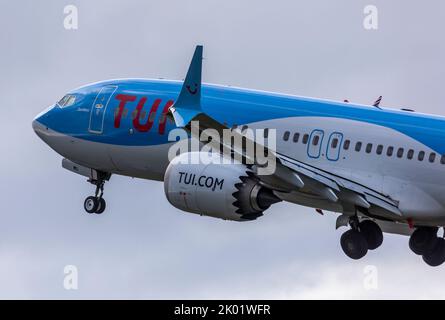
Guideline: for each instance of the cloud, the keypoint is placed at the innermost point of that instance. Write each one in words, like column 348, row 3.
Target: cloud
column 144, row 248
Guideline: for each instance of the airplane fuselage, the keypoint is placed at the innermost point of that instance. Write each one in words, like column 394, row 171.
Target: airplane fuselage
column 121, row 127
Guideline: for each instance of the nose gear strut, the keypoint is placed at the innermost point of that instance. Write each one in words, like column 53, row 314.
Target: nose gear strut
column 96, row 204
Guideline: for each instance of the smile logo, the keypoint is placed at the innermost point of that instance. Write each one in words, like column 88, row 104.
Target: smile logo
column 194, row 90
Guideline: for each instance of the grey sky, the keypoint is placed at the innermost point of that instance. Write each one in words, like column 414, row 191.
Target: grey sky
column 144, row 248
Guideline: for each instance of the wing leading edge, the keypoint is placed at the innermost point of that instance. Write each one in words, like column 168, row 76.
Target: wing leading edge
column 289, row 174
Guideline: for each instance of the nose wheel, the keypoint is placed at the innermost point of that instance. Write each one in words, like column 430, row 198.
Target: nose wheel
column 96, row 204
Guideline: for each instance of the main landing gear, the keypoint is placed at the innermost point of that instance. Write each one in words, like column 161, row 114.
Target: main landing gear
column 425, row 242
column 363, row 236
column 96, row 204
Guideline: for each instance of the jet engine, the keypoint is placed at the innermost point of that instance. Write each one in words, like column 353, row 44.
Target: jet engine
column 207, row 184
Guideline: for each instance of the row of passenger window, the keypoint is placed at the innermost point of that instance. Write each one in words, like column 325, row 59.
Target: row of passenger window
column 390, row 150
column 368, row 149
column 296, row 137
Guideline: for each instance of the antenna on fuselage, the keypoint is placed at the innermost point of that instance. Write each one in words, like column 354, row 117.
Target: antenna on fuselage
column 377, row 102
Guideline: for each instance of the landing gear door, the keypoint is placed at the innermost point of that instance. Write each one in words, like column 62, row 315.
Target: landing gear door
column 314, row 144
column 99, row 108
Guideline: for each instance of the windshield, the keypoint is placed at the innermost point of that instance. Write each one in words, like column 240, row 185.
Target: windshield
column 67, row 101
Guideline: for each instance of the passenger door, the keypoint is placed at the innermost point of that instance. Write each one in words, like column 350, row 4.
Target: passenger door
column 99, row 108
column 314, row 144
column 333, row 147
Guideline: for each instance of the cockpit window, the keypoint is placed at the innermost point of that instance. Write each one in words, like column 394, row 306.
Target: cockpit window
column 67, row 101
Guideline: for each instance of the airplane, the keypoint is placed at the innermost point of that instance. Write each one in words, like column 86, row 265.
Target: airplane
column 381, row 170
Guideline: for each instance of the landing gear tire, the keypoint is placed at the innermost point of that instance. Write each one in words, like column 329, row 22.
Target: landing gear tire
column 372, row 233
column 354, row 244
column 423, row 240
column 91, row 204
column 102, row 205
column 96, row 204
column 437, row 255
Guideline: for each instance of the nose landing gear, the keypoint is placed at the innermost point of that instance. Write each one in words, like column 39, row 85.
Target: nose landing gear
column 96, row 204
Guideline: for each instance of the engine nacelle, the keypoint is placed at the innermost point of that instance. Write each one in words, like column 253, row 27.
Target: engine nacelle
column 212, row 188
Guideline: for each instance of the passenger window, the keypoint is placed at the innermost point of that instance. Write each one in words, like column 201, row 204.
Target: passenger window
column 369, row 148
column 286, row 136
column 244, row 128
column 358, row 146
column 296, row 137
column 305, row 138
column 334, row 143
column 410, row 154
column 432, row 157
column 442, row 159
column 346, row 144
column 421, row 155
column 379, row 149
column 315, row 140
column 389, row 151
column 400, row 153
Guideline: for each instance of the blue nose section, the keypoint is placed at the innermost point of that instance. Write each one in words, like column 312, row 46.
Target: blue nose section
column 38, row 124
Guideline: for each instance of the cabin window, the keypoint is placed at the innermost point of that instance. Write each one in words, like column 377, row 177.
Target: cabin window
column 421, row 155
column 400, row 153
column 369, row 148
column 379, row 149
column 358, row 146
column 315, row 140
column 410, row 154
column 305, row 138
column 296, row 137
column 432, row 157
column 286, row 136
column 67, row 101
column 244, row 128
column 346, row 144
column 334, row 143
column 442, row 159
column 389, row 151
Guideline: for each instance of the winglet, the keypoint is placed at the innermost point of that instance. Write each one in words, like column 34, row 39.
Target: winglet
column 188, row 104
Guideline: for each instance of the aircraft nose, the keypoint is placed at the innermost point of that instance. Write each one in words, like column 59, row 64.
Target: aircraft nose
column 35, row 124
column 38, row 124
column 38, row 128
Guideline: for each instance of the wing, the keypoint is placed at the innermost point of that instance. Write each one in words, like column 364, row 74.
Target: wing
column 288, row 175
